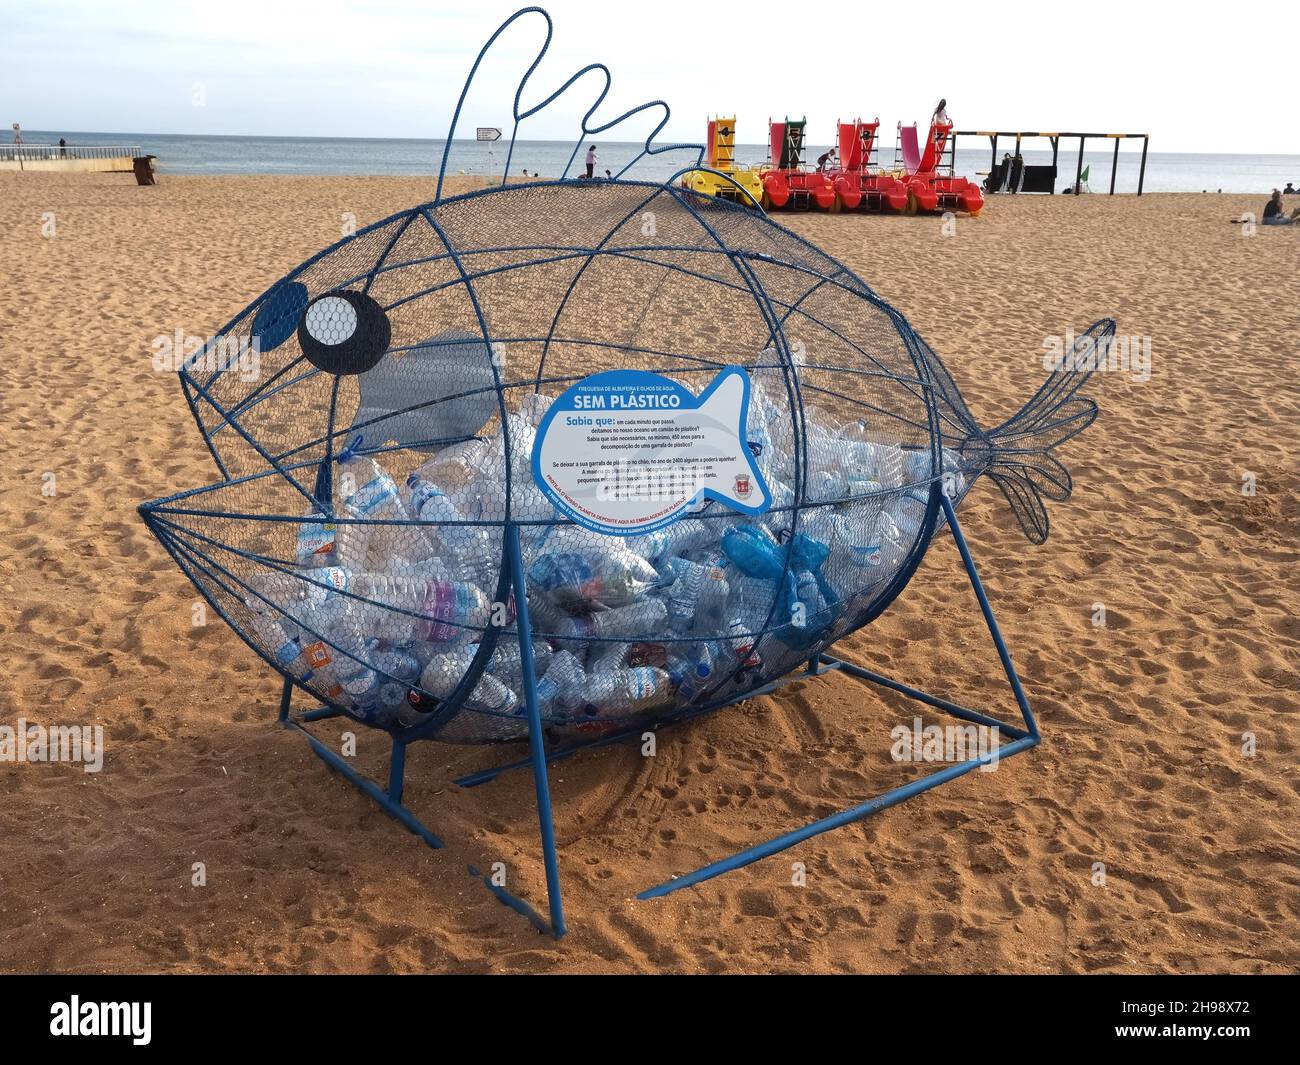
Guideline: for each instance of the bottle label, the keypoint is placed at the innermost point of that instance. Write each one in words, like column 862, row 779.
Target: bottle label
column 446, row 602
column 641, row 683
column 373, row 494
column 317, row 655
column 315, row 542
column 867, row 556
column 422, row 491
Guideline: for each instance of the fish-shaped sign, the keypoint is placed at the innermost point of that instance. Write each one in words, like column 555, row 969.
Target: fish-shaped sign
column 627, row 451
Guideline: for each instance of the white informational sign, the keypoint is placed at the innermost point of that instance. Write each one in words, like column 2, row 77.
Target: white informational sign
column 489, row 133
column 628, row 451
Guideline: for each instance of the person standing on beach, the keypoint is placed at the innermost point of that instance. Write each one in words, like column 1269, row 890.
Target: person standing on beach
column 18, row 133
column 591, row 161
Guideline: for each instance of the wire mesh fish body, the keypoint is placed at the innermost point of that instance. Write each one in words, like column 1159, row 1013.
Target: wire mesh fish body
column 373, row 461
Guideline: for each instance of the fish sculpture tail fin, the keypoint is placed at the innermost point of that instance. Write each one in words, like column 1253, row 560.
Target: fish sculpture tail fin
column 1019, row 457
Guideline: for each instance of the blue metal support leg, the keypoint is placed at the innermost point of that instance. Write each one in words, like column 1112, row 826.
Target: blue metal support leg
column 286, row 697
column 390, row 805
column 1024, row 741
column 396, row 771
column 536, row 740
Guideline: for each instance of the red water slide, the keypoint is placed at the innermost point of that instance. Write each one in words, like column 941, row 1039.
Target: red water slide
column 856, row 184
column 927, row 189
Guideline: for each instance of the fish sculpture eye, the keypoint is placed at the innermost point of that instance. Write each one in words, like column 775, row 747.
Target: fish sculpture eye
column 344, row 332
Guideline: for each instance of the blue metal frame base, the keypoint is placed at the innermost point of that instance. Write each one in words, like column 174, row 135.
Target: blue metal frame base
column 390, row 800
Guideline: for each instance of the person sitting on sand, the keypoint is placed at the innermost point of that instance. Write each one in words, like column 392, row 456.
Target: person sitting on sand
column 1290, row 190
column 1275, row 214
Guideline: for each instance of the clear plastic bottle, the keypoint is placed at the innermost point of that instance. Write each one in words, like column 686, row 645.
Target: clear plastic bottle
column 456, row 465
column 644, row 618
column 625, row 692
column 684, row 594
column 270, row 634
column 678, row 538
column 316, row 545
column 752, row 600
column 451, row 610
column 470, row 549
column 369, row 494
column 569, row 679
column 444, row 673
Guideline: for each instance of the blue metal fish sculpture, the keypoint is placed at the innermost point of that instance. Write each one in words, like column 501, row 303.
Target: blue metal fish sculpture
column 423, row 399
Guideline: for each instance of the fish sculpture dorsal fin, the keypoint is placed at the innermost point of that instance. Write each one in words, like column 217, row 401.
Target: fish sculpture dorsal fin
column 589, row 125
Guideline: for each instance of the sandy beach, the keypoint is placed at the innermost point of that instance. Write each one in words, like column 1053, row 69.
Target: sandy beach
column 1142, row 768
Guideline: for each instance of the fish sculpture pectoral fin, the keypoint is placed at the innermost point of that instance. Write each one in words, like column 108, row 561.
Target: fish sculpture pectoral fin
column 1017, row 456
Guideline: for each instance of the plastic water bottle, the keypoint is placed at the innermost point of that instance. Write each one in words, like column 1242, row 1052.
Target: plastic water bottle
column 507, row 661
column 574, row 634
column 316, row 541
column 316, row 586
column 692, row 660
column 567, row 679
column 743, row 642
column 370, row 697
column 456, row 465
column 398, row 664
column 395, row 599
column 752, row 600
column 684, row 593
column 469, row 547
column 646, row 617
column 628, row 691
column 779, row 519
column 270, row 634
column 444, row 673
column 451, row 610
column 675, row 539
column 825, row 486
column 711, row 606
column 369, row 494
column 858, row 542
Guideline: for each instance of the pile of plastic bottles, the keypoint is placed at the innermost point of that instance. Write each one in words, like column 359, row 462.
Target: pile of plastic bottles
column 385, row 620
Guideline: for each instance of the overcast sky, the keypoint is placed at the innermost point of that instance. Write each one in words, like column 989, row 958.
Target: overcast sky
column 1197, row 81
